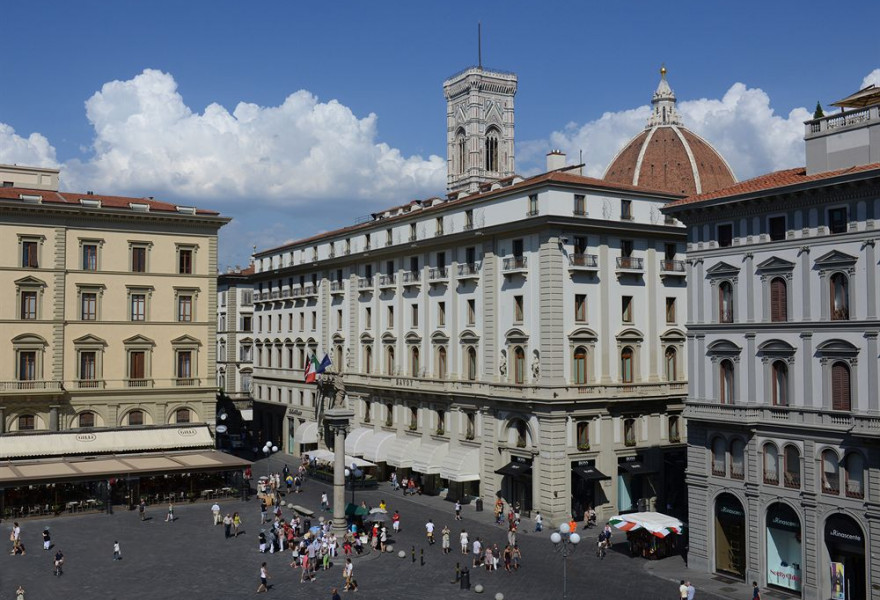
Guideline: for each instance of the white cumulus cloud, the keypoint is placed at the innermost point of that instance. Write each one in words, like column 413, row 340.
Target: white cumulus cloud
column 873, row 78
column 148, row 140
column 34, row 150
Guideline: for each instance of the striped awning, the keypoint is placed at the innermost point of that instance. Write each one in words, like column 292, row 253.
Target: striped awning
column 401, row 451
column 429, row 457
column 461, row 464
column 376, row 447
column 354, row 441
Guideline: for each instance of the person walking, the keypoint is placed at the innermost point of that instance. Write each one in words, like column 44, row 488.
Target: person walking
column 539, row 522
column 15, row 536
column 117, row 551
column 383, row 538
column 215, row 513
column 236, row 524
column 19, row 593
column 756, row 591
column 142, row 509
column 59, row 562
column 263, row 511
column 517, row 557
column 348, row 574
column 511, row 534
column 444, row 533
column 334, row 594
column 477, row 550
column 458, row 510
column 47, row 539
column 264, row 579
column 325, row 503
column 227, row 526
column 395, row 522
column 170, row 516
column 463, row 540
column 691, row 590
column 429, row 530
column 683, row 590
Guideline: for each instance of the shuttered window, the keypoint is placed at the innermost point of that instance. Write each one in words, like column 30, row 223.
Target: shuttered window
column 840, row 389
column 778, row 300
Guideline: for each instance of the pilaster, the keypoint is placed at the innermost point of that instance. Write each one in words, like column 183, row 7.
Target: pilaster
column 550, row 306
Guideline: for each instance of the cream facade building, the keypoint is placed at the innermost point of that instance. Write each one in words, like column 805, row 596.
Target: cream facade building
column 108, row 321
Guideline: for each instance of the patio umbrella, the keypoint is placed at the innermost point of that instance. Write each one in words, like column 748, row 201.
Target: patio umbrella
column 658, row 524
column 376, row 517
column 377, row 510
column 355, row 510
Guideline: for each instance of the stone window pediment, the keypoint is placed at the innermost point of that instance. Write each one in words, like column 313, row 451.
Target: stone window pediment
column 722, row 270
column 630, row 335
column 366, row 338
column 469, row 336
column 139, row 340
column 835, row 259
column 30, row 339
column 439, row 337
column 837, row 349
column 388, row 337
column 412, row 338
column 673, row 335
column 774, row 349
column 516, row 336
column 723, row 348
column 775, row 266
column 188, row 340
column 30, row 282
column 338, row 338
column 583, row 335
column 89, row 340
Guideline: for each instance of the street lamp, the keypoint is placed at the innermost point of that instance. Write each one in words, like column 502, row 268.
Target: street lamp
column 565, row 542
column 268, row 450
column 352, row 474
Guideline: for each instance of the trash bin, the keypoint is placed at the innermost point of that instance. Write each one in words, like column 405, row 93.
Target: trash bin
column 307, row 524
column 479, row 504
column 465, row 581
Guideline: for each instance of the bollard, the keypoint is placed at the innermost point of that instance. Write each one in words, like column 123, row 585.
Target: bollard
column 413, row 554
column 457, row 572
column 422, row 552
column 465, row 581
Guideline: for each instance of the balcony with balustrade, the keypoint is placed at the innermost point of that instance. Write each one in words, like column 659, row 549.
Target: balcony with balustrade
column 337, row 288
column 411, row 279
column 364, row 285
column 388, row 282
column 469, row 270
column 515, row 265
column 631, row 266
column 671, row 268
column 438, row 275
column 310, row 291
column 583, row 262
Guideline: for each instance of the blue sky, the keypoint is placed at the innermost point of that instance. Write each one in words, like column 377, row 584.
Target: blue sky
column 295, row 117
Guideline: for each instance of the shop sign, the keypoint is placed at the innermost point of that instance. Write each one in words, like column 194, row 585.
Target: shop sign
column 727, row 506
column 843, row 534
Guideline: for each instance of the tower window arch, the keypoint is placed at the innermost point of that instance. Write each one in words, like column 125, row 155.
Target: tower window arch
column 460, row 152
column 471, row 363
column 725, row 302
column 830, row 473
column 855, row 475
column 792, row 463
column 492, row 150
column 719, row 457
column 771, row 464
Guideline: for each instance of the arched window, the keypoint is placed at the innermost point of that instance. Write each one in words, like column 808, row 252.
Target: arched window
column 136, row 417
column 492, row 150
column 338, row 359
column 414, row 362
column 522, row 433
column 839, row 297
column 222, row 353
column 441, row 362
column 771, row 464
column 727, row 382
column 671, row 364
column 830, row 473
column 841, row 396
column 519, row 365
column 779, row 372
column 389, row 414
column 792, row 466
column 626, row 365
column 368, row 359
column 674, row 429
column 182, row 415
column 719, row 457
column 87, row 419
column 472, row 363
column 725, row 302
column 413, row 417
column 855, row 475
column 26, row 423
column 583, row 435
column 778, row 300
column 580, row 365
column 629, row 432
column 461, row 152
column 441, row 422
column 389, row 360
column 738, row 459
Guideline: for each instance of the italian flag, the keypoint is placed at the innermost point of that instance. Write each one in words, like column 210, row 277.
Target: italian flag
column 311, row 368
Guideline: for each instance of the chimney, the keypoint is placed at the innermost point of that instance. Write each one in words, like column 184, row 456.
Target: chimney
column 555, row 160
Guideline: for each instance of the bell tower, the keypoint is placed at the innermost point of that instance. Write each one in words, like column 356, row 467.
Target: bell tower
column 479, row 128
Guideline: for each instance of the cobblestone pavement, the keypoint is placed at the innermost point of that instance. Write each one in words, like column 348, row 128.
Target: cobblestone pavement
column 191, row 560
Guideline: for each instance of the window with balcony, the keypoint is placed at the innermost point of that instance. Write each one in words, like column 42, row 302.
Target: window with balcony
column 580, row 365
column 88, row 369
column 792, row 465
column 778, row 300
column 368, row 359
column 629, row 432
column 414, row 362
column 184, row 370
column 442, row 365
column 719, row 457
column 839, row 288
column 583, row 435
column 519, row 365
column 626, row 365
column 738, row 459
column 470, row 426
column 90, row 257
column 626, row 309
column 389, row 360
column 137, row 367
column 771, row 464
column 830, row 473
column 517, row 309
column 441, row 422
column 841, row 395
column 674, row 429
column 413, row 418
column 837, row 219
column 727, row 382
column 580, row 308
column 855, row 475
column 671, row 359
column 27, row 365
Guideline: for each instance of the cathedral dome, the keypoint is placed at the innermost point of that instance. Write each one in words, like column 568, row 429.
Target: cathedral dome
column 669, row 157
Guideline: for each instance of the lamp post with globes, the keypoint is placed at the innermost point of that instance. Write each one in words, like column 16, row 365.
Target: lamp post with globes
column 353, row 474
column 565, row 542
column 269, row 449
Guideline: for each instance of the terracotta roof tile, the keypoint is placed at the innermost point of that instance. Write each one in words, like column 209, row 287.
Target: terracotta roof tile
column 777, row 181
column 72, row 199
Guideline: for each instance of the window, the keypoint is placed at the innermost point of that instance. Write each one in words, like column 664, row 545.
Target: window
column 89, row 306
column 413, row 417
column 390, row 317
column 389, row 268
column 367, row 239
column 792, row 465
column 441, row 422
column 184, row 365
column 771, row 464
column 779, row 371
column 471, row 312
column 441, row 261
column 314, row 321
column 27, row 365
column 583, row 435
column 580, row 365
column 492, row 150
column 518, row 309
column 469, row 219
column 725, row 302
column 841, row 396
column 669, row 251
column 90, row 257
column 470, row 256
column 738, row 459
column 185, row 308
column 368, row 359
column 521, row 432
column 580, row 205
column 367, row 410
column 88, row 366
column 136, row 417
column 626, row 248
column 471, row 364
column 438, row 226
column 86, row 419
column 389, row 360
column 837, row 219
column 670, row 310
column 247, row 323
column 626, row 210
column 29, row 254
column 412, row 232
column 28, row 310
column 368, row 271
column 629, row 432
column 580, row 308
column 461, row 152
column 855, row 475
column 137, row 365
column 776, row 225
column 533, row 205
column 830, row 473
column 389, row 236
column 719, row 457
column 839, row 297
column 182, row 415
column 671, row 364
column 626, row 365
column 302, row 321
column 441, row 314
column 138, row 302
column 441, row 362
column 414, row 362
column 626, row 309
column 414, row 309
column 519, row 365
column 338, row 319
column 725, row 235
column 580, row 245
column 368, row 318
column 778, row 300
column 26, row 423
column 727, row 390
column 470, row 426
column 185, row 261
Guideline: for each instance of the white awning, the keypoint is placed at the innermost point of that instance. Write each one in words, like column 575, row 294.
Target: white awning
column 429, row 457
column 401, row 451
column 327, row 456
column 71, row 443
column 461, row 464
column 307, row 433
column 247, row 414
column 354, row 441
column 376, row 447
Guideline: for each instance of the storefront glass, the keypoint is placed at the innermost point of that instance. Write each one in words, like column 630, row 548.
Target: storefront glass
column 784, row 552
column 730, row 536
column 845, row 543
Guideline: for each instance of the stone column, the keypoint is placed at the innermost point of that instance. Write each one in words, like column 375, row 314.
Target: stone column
column 339, row 421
